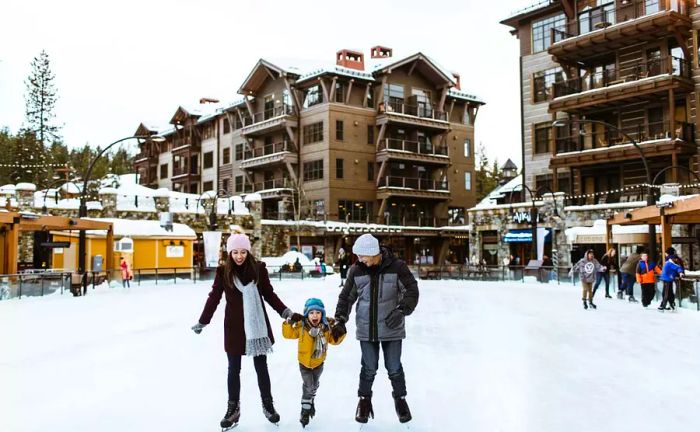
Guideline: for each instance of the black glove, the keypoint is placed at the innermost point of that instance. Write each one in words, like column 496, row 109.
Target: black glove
column 340, row 319
column 394, row 319
column 296, row 317
column 338, row 330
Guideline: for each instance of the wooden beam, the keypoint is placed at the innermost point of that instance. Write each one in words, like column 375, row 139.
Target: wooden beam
column 109, row 247
column 347, row 97
column 608, row 237
column 665, row 232
column 269, row 72
column 240, row 116
column 443, row 96
column 380, row 174
column 413, row 66
column 380, row 212
column 331, row 97
column 250, row 108
column 12, row 248
column 325, row 89
column 365, row 101
column 250, row 179
column 682, row 42
column 291, row 171
column 380, row 136
column 452, row 106
column 293, row 95
column 292, row 137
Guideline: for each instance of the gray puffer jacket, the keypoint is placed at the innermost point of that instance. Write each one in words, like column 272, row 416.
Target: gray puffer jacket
column 587, row 269
column 378, row 290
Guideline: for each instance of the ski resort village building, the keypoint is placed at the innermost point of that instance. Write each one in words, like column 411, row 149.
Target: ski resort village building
column 380, row 144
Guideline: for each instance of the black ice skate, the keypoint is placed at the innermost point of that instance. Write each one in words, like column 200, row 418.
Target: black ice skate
column 402, row 409
column 631, row 299
column 308, row 411
column 619, row 295
column 590, row 303
column 233, row 414
column 364, row 409
column 585, row 304
column 269, row 411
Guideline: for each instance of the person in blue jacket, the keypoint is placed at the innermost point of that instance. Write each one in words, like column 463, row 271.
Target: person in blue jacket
column 672, row 270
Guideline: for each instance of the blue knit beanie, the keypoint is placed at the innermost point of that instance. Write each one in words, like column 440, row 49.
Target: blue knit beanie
column 317, row 305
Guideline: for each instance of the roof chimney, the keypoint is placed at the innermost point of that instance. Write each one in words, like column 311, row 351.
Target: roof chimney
column 206, row 100
column 350, row 59
column 458, row 86
column 379, row 52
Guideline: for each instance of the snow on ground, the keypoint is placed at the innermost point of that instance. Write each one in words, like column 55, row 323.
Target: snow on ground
column 479, row 356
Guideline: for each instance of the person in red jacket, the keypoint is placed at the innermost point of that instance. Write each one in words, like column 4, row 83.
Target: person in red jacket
column 646, row 272
column 247, row 331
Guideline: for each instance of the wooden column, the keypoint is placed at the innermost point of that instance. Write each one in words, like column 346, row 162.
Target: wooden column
column 109, row 248
column 665, row 232
column 672, row 114
column 674, row 170
column 608, row 236
column 331, row 97
column 347, row 97
column 12, row 249
column 555, row 180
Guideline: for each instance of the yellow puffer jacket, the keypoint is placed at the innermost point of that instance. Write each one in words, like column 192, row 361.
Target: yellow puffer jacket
column 306, row 342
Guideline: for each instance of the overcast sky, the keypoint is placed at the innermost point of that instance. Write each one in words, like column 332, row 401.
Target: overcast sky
column 120, row 63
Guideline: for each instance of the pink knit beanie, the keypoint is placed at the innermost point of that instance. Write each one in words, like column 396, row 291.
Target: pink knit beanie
column 237, row 241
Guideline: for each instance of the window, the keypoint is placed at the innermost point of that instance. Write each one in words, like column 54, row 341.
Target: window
column 542, row 83
column 238, row 183
column 354, row 210
column 339, row 130
column 208, row 160
column 313, row 133
column 455, row 216
column 208, row 185
column 312, row 96
column 239, row 151
column 467, row 147
column 393, row 95
column 164, row 171
column 208, row 131
column 227, row 156
column 370, row 171
column 225, row 185
column 319, row 209
column 542, row 132
column 543, row 183
column 564, row 183
column 338, row 168
column 340, row 92
column 313, row 170
column 541, row 31
column 269, row 108
column 598, row 17
column 227, row 126
column 468, row 180
column 370, row 134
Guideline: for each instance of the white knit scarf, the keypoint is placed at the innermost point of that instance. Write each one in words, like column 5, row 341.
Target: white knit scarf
column 257, row 341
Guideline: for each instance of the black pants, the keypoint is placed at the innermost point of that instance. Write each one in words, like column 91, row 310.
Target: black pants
column 234, row 376
column 669, row 298
column 648, row 292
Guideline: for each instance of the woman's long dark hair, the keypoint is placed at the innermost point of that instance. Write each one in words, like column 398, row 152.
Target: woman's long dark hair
column 246, row 272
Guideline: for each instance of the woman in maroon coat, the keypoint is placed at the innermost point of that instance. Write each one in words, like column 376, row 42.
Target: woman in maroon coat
column 247, row 331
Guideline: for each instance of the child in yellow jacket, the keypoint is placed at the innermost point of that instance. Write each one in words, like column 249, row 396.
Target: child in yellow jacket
column 314, row 334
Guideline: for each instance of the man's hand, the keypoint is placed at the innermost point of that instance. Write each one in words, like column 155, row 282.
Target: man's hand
column 338, row 330
column 394, row 319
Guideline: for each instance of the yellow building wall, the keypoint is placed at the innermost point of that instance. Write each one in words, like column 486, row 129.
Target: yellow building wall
column 145, row 254
column 174, row 262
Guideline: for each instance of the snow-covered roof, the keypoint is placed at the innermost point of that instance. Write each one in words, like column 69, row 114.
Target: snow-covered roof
column 25, row 187
column 332, row 226
column 143, row 228
column 459, row 94
column 490, row 200
column 598, row 228
column 336, row 70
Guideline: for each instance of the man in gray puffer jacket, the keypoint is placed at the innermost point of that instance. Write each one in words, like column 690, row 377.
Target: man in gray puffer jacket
column 587, row 268
column 385, row 291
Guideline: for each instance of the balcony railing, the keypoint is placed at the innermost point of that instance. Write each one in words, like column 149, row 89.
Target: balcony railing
column 422, row 110
column 610, row 137
column 271, row 184
column 606, row 15
column 414, row 183
column 277, row 111
column 627, row 72
column 420, row 147
column 181, row 142
column 266, row 150
column 177, row 171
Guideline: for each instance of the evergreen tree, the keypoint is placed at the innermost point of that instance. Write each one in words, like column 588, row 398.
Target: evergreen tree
column 40, row 100
column 6, row 159
column 488, row 176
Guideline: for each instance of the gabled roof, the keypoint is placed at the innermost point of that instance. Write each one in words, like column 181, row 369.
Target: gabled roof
column 145, row 130
column 263, row 70
column 182, row 113
column 509, row 165
column 335, row 70
column 430, row 65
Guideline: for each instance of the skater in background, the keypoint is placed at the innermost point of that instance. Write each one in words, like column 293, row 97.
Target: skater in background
column 609, row 261
column 386, row 292
column 125, row 273
column 343, row 263
column 628, row 269
column 587, row 267
column 314, row 334
column 671, row 271
column 646, row 277
column 245, row 282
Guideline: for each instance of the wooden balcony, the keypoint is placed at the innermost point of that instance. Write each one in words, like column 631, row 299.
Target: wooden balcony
column 636, row 81
column 605, row 29
column 412, row 187
column 419, row 114
column 185, row 145
column 270, row 120
column 655, row 139
column 273, row 188
column 182, row 172
column 423, row 152
column 269, row 155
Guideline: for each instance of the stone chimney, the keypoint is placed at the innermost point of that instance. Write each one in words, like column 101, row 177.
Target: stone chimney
column 379, row 52
column 350, row 59
column 25, row 196
column 206, row 100
column 108, row 198
column 458, row 86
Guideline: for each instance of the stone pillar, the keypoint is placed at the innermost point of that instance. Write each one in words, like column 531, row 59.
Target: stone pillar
column 108, row 198
column 254, row 203
column 25, row 196
column 162, row 198
column 25, row 203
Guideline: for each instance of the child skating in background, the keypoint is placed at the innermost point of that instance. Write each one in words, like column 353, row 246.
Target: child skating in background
column 646, row 271
column 314, row 333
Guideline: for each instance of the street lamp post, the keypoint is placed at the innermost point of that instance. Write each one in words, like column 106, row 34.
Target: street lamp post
column 650, row 199
column 82, row 209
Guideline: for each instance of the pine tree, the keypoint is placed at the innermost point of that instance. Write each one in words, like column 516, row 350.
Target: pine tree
column 6, row 159
column 40, row 100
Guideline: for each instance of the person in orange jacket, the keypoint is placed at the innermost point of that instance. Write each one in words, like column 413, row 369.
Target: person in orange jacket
column 646, row 277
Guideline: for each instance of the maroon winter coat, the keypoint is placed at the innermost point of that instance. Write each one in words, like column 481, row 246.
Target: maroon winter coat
column 234, row 333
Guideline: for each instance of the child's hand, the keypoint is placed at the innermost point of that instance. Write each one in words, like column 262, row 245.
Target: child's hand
column 338, row 330
column 295, row 317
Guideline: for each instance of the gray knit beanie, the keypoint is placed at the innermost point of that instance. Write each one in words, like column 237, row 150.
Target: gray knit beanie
column 366, row 245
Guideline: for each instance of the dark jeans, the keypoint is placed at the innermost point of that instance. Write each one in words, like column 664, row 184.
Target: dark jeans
column 234, row 376
column 627, row 283
column 598, row 279
column 669, row 298
column 392, row 362
column 648, row 292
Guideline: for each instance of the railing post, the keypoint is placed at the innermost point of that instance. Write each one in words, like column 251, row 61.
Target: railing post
column 156, row 275
column 20, row 286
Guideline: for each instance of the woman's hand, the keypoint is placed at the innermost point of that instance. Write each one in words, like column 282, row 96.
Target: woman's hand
column 197, row 328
